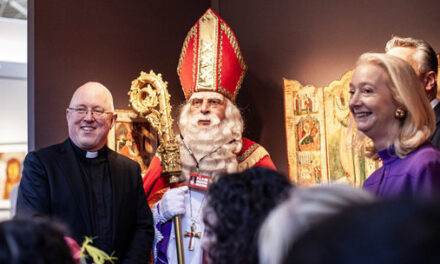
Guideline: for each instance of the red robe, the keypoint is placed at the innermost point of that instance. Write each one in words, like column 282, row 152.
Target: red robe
column 251, row 155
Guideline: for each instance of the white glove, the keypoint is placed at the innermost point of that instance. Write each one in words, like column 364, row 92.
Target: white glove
column 172, row 203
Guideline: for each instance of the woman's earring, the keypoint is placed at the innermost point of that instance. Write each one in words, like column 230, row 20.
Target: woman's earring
column 399, row 113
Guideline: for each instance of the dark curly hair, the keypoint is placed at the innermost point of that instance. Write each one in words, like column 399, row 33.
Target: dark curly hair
column 36, row 241
column 237, row 205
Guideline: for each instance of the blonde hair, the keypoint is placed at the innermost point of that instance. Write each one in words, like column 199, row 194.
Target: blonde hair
column 406, row 90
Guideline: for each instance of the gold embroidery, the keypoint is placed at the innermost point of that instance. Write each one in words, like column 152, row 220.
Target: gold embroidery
column 208, row 42
column 194, row 66
column 206, row 63
column 247, row 152
column 236, row 48
column 220, row 61
column 254, row 157
column 226, row 92
column 191, row 34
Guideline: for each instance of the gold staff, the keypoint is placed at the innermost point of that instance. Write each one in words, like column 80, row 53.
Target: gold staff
column 146, row 93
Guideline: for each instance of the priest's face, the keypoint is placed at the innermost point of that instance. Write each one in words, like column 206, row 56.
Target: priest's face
column 90, row 116
column 208, row 107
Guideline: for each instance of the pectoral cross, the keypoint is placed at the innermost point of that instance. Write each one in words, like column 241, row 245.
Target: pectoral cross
column 192, row 235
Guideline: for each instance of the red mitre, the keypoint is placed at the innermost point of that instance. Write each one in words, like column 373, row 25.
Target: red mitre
column 211, row 59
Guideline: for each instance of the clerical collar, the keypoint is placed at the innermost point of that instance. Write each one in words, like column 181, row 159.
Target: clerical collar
column 91, row 154
column 88, row 154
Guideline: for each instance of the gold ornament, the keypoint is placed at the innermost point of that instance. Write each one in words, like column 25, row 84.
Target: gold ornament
column 146, row 93
column 399, row 113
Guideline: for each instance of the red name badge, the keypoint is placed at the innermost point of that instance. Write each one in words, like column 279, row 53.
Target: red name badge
column 198, row 181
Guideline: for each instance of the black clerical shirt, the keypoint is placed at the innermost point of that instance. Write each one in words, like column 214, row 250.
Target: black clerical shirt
column 98, row 186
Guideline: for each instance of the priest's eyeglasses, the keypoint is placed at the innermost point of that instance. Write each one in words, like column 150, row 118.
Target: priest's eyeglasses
column 82, row 112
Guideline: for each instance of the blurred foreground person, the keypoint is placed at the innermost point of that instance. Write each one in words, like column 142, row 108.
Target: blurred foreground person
column 305, row 208
column 400, row 231
column 389, row 106
column 236, row 207
column 33, row 241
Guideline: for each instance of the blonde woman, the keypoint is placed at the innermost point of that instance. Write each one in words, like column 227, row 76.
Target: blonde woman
column 388, row 105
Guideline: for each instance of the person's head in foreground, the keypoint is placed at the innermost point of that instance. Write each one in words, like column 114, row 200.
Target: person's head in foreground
column 35, row 241
column 305, row 208
column 399, row 231
column 236, row 206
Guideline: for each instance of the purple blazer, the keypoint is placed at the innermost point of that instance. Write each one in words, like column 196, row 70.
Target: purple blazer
column 418, row 174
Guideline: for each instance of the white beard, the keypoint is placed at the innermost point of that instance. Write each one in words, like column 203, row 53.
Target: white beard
column 203, row 141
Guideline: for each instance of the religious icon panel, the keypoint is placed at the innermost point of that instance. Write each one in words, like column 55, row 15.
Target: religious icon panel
column 319, row 144
column 10, row 172
column 131, row 136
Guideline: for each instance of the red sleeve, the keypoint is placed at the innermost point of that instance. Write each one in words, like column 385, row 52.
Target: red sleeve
column 266, row 162
column 153, row 181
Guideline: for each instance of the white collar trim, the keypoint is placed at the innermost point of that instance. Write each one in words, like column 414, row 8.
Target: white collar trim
column 91, row 155
column 434, row 102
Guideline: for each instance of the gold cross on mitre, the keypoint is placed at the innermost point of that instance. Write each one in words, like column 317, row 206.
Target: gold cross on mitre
column 192, row 235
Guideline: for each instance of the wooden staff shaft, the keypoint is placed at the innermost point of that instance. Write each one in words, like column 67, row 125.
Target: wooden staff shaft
column 179, row 241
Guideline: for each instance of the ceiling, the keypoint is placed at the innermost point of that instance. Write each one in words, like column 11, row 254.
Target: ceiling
column 14, row 9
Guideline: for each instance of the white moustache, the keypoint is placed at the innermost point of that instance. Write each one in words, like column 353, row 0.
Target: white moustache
column 208, row 117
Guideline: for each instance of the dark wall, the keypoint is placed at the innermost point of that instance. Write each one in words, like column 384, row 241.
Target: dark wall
column 72, row 42
column 313, row 41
